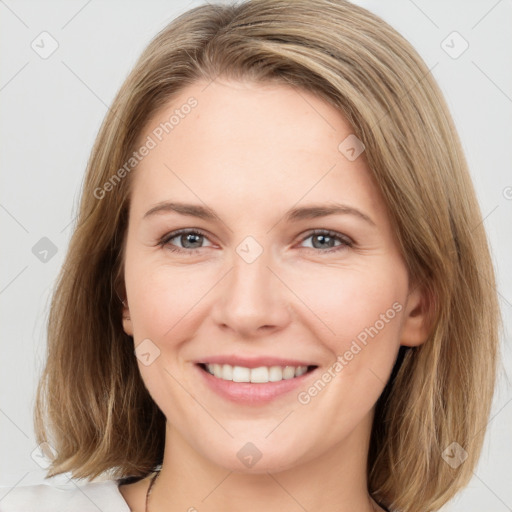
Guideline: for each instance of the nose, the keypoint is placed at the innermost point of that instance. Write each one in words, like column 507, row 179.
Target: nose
column 252, row 300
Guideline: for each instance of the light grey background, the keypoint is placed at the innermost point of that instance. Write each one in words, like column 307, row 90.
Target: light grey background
column 52, row 109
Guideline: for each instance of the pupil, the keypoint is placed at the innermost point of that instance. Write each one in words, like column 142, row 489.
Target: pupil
column 189, row 238
column 323, row 238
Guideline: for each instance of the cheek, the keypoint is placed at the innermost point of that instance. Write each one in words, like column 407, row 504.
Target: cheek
column 359, row 314
column 363, row 311
column 162, row 298
column 348, row 302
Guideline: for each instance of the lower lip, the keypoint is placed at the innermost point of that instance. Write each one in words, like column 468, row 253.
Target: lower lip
column 252, row 393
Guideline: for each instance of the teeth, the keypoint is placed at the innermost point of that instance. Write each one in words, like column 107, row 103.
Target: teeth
column 241, row 374
column 301, row 370
column 262, row 374
column 259, row 374
column 227, row 372
column 288, row 372
column 275, row 373
column 217, row 370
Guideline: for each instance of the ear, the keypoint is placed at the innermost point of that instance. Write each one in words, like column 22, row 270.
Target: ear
column 127, row 321
column 417, row 317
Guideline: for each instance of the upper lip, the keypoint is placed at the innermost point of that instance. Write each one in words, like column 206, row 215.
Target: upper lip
column 252, row 362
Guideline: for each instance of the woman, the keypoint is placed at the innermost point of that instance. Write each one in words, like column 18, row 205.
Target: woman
column 278, row 294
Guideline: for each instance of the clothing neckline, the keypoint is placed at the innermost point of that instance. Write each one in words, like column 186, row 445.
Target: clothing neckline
column 133, row 479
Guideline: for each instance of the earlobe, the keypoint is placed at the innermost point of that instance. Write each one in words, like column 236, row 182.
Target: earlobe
column 417, row 317
column 127, row 321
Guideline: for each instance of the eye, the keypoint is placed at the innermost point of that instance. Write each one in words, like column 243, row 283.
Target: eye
column 328, row 241
column 189, row 240
column 192, row 240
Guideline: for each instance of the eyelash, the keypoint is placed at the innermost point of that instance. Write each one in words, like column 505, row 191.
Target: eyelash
column 164, row 242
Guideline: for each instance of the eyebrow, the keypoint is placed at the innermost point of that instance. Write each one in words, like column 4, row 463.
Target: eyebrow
column 295, row 214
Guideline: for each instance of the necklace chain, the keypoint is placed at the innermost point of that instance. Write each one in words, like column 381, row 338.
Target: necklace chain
column 149, row 489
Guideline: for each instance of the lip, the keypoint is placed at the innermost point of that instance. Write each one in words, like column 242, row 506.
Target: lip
column 253, row 362
column 248, row 393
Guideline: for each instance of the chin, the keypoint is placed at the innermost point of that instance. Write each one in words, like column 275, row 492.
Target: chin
column 248, row 458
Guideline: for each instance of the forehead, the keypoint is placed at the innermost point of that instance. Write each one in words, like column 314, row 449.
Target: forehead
column 249, row 145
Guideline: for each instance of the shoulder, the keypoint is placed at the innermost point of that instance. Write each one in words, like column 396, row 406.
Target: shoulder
column 70, row 497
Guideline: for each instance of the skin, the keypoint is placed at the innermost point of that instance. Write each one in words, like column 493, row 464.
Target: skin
column 251, row 152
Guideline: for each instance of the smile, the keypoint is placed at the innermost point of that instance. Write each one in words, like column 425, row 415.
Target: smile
column 260, row 375
column 247, row 392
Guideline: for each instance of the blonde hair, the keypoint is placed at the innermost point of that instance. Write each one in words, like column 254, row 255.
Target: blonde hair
column 92, row 406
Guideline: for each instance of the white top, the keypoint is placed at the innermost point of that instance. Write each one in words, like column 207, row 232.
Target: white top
column 71, row 497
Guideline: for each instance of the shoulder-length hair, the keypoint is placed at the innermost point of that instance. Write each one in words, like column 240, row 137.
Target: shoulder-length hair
column 92, row 406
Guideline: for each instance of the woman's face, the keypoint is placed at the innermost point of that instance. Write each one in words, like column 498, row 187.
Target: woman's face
column 249, row 172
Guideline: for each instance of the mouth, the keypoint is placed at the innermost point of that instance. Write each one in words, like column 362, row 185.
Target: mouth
column 254, row 385
column 258, row 375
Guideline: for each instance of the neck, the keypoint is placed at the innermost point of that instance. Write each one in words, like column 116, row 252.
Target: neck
column 334, row 481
